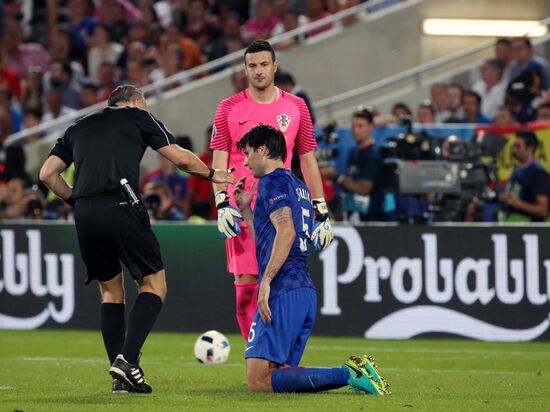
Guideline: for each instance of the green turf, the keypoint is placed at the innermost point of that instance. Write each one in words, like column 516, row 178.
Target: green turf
column 67, row 371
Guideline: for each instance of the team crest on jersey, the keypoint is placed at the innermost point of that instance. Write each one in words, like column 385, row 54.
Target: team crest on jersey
column 214, row 131
column 284, row 121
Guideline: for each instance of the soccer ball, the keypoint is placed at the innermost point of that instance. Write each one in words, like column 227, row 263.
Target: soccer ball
column 212, row 347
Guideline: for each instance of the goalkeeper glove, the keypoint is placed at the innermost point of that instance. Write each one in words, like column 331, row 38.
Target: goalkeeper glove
column 322, row 229
column 228, row 216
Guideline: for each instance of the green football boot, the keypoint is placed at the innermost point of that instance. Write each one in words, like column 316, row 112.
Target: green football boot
column 364, row 376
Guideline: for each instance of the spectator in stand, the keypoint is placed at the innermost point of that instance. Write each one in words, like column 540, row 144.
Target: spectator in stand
column 5, row 124
column 8, row 104
column 354, row 18
column 526, row 60
column 400, row 109
column 503, row 53
column 362, row 193
column 31, row 118
column 291, row 20
column 114, row 16
column 191, row 51
column 286, row 82
column 171, row 62
column 102, row 50
column 60, row 76
column 136, row 73
column 472, row 109
column 56, row 109
column 21, row 56
column 81, row 24
column 230, row 40
column 523, row 95
column 9, row 77
column 59, row 47
column 490, row 87
column 239, row 80
column 316, row 10
column 505, row 116
column 440, row 99
column 107, row 77
column 88, row 94
column 543, row 112
column 425, row 113
column 455, row 94
column 262, row 24
column 199, row 28
column 105, row 7
column 32, row 89
column 136, row 50
column 200, row 195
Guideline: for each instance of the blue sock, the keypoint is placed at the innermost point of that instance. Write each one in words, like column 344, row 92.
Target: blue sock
column 308, row 379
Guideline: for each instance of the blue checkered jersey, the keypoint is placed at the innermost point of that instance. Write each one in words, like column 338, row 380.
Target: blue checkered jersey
column 278, row 189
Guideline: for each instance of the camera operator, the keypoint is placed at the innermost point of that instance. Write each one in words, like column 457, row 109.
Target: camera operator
column 363, row 197
column 528, row 189
column 159, row 202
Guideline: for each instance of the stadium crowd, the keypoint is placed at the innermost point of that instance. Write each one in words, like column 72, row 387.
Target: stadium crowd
column 64, row 55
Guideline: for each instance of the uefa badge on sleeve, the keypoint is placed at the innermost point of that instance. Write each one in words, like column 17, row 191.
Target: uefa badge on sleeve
column 284, row 121
column 214, row 132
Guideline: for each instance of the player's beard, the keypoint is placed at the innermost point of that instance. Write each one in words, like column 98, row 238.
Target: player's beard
column 262, row 85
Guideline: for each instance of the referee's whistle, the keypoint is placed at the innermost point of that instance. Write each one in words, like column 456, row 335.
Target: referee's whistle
column 134, row 201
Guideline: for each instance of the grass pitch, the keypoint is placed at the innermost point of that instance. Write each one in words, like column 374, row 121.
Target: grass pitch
column 49, row 370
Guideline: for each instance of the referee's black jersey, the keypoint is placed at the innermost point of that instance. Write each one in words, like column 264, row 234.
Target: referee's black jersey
column 107, row 146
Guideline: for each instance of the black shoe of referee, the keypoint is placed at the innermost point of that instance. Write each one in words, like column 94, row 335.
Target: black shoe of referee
column 131, row 374
column 119, row 386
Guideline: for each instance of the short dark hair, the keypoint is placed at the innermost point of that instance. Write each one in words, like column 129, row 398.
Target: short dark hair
column 474, row 95
column 503, row 40
column 268, row 136
column 496, row 64
column 364, row 114
column 529, row 138
column 259, row 46
column 124, row 93
column 401, row 105
column 525, row 40
column 284, row 78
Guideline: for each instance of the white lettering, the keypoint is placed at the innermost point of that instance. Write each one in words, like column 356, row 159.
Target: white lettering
column 481, row 291
column 532, row 270
column 502, row 287
column 432, row 278
column 23, row 272
column 414, row 268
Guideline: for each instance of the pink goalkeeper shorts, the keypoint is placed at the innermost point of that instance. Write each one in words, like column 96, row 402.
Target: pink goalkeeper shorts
column 241, row 254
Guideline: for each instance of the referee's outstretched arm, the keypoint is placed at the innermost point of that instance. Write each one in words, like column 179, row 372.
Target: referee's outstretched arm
column 190, row 163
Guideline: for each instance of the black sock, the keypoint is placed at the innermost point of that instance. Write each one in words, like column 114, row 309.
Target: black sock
column 141, row 321
column 113, row 328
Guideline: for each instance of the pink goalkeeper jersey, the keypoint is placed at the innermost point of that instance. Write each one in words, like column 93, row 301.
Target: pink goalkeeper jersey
column 237, row 114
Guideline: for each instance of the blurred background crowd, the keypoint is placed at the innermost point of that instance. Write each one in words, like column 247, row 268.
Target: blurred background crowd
column 58, row 56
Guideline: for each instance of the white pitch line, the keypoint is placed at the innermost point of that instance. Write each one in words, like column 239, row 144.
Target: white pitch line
column 152, row 361
column 7, row 388
column 371, row 348
column 460, row 371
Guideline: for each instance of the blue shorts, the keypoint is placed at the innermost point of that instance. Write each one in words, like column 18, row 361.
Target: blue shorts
column 283, row 340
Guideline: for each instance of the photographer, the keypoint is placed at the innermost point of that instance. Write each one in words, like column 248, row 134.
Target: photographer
column 363, row 198
column 528, row 189
column 160, row 203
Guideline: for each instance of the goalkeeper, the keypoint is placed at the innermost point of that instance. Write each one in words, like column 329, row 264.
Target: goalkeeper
column 260, row 103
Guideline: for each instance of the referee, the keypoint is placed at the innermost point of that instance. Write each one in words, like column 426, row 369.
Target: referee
column 111, row 222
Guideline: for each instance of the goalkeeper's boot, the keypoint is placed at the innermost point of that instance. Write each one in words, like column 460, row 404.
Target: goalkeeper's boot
column 119, row 386
column 131, row 374
column 364, row 376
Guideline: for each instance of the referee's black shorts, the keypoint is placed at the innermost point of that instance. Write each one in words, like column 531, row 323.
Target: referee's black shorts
column 109, row 231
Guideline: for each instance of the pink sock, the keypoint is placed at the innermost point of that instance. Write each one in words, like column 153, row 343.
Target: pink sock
column 247, row 299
